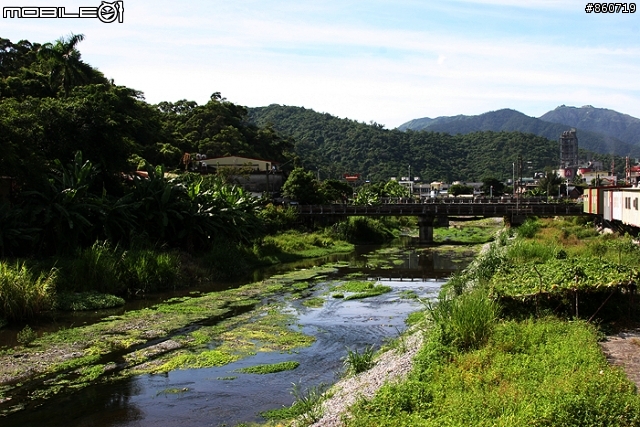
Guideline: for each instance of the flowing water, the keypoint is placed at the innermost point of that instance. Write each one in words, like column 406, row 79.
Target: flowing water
column 223, row 397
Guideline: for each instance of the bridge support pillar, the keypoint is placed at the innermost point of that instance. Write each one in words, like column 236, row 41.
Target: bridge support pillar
column 442, row 221
column 425, row 225
column 517, row 219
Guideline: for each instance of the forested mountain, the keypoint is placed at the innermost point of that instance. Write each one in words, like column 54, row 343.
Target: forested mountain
column 511, row 120
column 601, row 120
column 336, row 146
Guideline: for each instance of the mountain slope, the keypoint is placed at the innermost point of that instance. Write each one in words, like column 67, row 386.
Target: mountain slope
column 601, row 120
column 335, row 146
column 511, row 120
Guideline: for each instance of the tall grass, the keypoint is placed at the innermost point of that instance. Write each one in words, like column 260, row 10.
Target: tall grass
column 24, row 295
column 97, row 268
column 106, row 269
column 525, row 251
column 466, row 321
column 146, row 270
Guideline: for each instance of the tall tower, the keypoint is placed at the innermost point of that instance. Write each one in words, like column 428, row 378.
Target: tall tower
column 569, row 152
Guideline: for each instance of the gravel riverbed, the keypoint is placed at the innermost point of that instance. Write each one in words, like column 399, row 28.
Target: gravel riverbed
column 393, row 365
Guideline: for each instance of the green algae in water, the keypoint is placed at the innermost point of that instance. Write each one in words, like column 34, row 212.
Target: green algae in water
column 305, row 274
column 359, row 290
column 270, row 368
column 204, row 359
column 408, row 294
column 315, row 302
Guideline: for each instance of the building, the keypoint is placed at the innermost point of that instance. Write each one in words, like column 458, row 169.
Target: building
column 254, row 175
column 568, row 154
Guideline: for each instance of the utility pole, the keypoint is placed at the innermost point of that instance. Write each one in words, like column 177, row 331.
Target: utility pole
column 513, row 179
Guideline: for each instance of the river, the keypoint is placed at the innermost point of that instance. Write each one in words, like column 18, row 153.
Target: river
column 222, row 396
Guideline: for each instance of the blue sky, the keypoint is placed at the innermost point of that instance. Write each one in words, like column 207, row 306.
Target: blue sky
column 382, row 61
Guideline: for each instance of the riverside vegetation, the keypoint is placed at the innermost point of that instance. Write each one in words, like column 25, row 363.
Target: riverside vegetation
column 503, row 349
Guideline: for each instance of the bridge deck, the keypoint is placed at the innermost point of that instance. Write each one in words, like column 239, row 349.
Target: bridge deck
column 467, row 208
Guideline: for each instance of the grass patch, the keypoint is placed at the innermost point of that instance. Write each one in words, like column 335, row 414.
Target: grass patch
column 358, row 289
column 536, row 372
column 465, row 321
column 26, row 336
column 270, row 369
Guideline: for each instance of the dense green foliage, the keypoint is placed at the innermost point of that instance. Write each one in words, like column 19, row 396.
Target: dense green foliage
column 53, row 104
column 337, row 146
column 560, row 260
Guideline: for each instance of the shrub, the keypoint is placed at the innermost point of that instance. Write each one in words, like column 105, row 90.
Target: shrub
column 528, row 229
column 26, row 336
column 362, row 230
column 278, row 218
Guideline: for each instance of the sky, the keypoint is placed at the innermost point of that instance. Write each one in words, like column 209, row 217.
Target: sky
column 372, row 61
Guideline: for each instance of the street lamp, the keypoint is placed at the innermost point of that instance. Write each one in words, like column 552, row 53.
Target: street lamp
column 491, row 192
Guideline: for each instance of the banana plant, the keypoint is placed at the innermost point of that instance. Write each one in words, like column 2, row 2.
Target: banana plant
column 65, row 208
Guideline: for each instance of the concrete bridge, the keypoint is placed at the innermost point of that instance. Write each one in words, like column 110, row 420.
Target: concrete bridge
column 438, row 211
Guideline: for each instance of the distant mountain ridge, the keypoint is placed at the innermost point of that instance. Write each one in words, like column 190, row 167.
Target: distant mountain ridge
column 602, row 120
column 511, row 120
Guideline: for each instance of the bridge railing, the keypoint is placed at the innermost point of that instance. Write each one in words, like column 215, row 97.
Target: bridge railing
column 520, row 207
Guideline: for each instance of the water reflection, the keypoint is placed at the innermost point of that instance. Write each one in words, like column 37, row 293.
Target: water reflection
column 222, row 396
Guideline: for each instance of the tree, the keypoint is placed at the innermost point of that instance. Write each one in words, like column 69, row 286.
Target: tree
column 457, row 189
column 303, row 187
column 334, row 190
column 66, row 69
column 550, row 183
column 488, row 183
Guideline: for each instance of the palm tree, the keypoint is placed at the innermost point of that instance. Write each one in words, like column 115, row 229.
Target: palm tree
column 67, row 69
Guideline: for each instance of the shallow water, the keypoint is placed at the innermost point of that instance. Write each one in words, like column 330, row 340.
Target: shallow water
column 221, row 396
